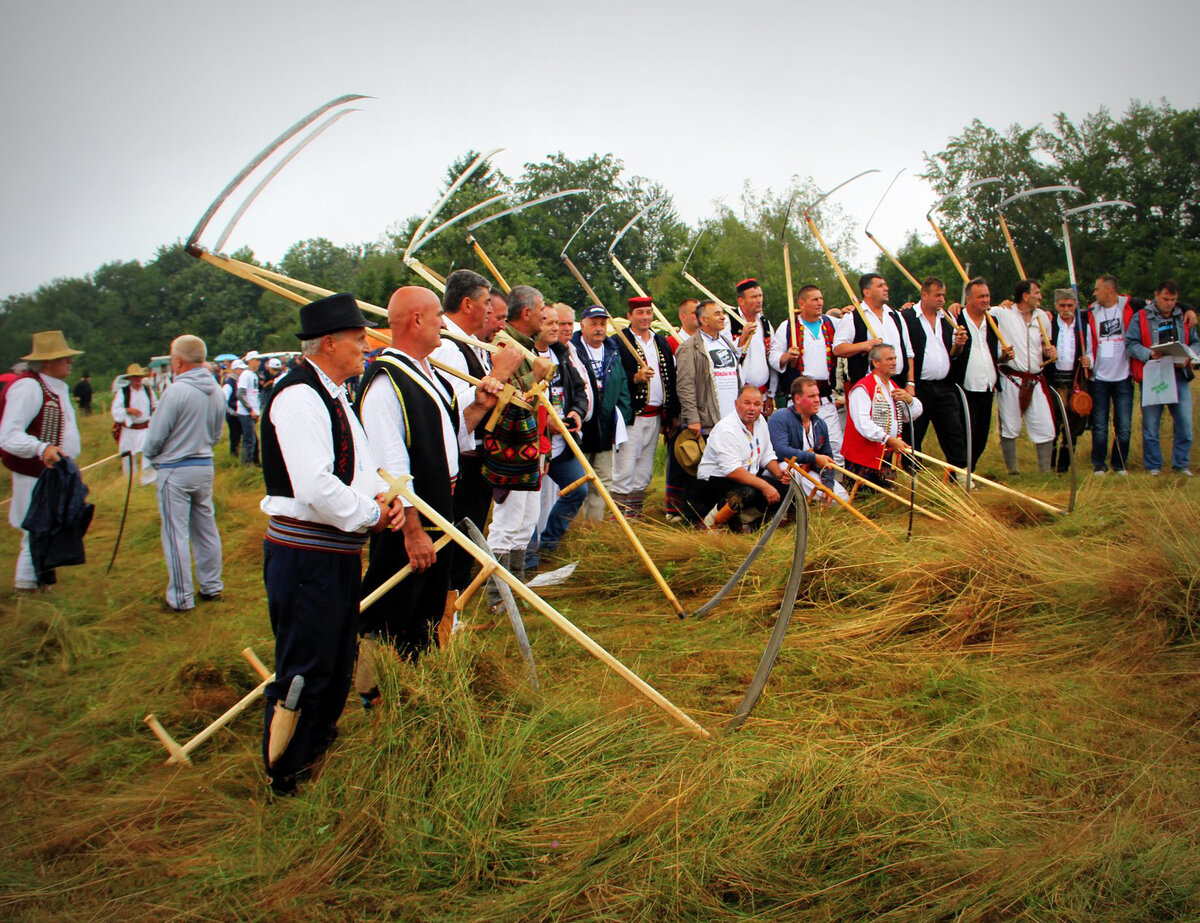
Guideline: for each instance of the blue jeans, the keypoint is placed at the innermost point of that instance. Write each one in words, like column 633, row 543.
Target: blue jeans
column 249, row 439
column 564, row 470
column 1181, row 413
column 1120, row 393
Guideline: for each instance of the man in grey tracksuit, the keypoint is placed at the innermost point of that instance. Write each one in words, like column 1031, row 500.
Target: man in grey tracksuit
column 179, row 444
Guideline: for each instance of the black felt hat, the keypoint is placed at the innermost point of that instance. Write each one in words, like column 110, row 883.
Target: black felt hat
column 331, row 314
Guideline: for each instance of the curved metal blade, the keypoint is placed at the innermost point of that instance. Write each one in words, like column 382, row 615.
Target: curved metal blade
column 272, row 173
column 413, row 248
column 787, row 214
column 703, row 231
column 580, row 228
column 632, row 221
column 959, row 191
column 867, row 226
column 260, row 157
column 454, row 187
column 524, row 205
column 1038, row 190
column 1087, row 208
column 826, row 195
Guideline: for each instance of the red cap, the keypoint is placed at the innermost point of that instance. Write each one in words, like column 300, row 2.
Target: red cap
column 640, row 301
column 747, row 283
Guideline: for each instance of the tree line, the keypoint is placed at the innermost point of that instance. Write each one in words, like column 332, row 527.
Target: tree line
column 1150, row 156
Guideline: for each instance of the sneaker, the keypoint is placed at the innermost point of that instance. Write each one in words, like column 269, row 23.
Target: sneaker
column 1154, row 472
column 1122, row 472
column 209, row 597
column 674, row 518
column 1185, row 472
column 1099, row 472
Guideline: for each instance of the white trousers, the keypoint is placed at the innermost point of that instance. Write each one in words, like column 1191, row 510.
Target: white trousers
column 25, row 577
column 593, row 506
column 148, row 473
column 1039, row 421
column 189, row 528
column 514, row 520
column 633, row 463
column 833, row 420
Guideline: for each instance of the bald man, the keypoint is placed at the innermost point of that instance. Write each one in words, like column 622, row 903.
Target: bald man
column 415, row 426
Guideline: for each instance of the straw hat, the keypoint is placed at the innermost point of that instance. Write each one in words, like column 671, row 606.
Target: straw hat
column 689, row 448
column 136, row 371
column 50, row 344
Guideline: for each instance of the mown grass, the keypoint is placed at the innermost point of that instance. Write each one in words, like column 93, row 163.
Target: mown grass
column 995, row 721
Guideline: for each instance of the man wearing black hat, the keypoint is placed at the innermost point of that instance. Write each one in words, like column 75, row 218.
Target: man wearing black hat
column 323, row 495
column 650, row 373
column 612, row 405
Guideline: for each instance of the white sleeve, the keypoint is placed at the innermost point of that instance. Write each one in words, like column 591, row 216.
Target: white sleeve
column 301, row 424
column 118, row 407
column 916, row 407
column 384, row 426
column 21, row 405
column 859, row 408
column 843, row 329
column 451, row 355
column 775, row 357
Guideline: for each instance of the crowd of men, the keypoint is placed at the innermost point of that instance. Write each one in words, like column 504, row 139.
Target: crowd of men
column 741, row 407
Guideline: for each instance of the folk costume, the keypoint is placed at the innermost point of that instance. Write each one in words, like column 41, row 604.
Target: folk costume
column 472, row 494
column 179, row 444
column 321, row 480
column 863, row 324
column 1024, row 393
column 978, row 371
column 655, row 409
column 411, row 417
column 815, row 342
column 1065, row 376
column 132, row 435
column 756, row 369
column 873, row 416
column 934, row 375
column 37, row 415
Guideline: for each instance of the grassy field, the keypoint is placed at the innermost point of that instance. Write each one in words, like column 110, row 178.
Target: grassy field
column 995, row 721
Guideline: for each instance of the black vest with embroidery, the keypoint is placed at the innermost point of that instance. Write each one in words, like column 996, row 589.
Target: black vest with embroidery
column 639, row 392
column 475, row 368
column 427, row 460
column 275, row 474
column 857, row 366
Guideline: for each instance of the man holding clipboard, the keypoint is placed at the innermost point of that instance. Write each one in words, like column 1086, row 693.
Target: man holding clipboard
column 1158, row 342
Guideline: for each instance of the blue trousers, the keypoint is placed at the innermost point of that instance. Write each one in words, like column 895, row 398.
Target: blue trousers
column 1120, row 394
column 565, row 469
column 249, row 439
column 1181, row 414
column 312, row 597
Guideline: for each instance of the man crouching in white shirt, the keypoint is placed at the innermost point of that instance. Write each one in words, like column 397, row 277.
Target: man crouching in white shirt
column 730, row 479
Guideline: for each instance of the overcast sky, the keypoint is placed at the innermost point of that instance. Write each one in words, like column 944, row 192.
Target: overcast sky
column 124, row 119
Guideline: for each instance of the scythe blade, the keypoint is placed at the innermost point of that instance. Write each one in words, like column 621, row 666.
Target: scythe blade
column 272, row 173
column 826, row 195
column 413, row 248
column 262, row 155
column 524, row 205
column 1038, row 190
column 632, row 221
column 959, row 191
column 454, row 187
column 571, row 239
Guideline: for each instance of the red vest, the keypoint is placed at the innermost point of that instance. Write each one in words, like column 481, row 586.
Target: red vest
column 1136, row 366
column 45, row 427
column 856, row 447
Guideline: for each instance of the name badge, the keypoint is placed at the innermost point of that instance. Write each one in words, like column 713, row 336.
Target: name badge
column 1108, row 349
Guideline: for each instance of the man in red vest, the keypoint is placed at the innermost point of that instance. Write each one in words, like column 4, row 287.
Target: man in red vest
column 874, row 417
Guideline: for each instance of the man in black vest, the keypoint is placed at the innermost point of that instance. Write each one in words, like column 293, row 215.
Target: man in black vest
column 873, row 322
column 1066, row 333
column 936, row 343
column 466, row 305
column 650, row 373
column 976, row 367
column 323, row 495
column 411, row 416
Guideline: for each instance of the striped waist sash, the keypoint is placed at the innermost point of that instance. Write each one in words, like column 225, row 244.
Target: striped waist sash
column 313, row 536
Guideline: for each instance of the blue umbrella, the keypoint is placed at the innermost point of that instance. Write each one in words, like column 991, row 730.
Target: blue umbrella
column 226, row 357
